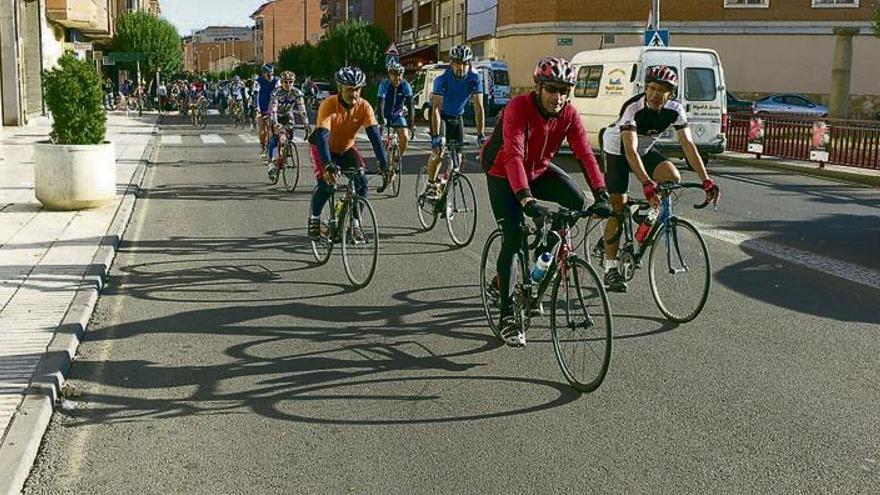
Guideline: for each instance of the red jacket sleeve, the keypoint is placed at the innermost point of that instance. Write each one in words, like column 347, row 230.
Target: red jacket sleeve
column 580, row 145
column 513, row 147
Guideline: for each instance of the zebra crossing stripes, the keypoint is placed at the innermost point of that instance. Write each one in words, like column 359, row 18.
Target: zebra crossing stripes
column 212, row 139
column 172, row 139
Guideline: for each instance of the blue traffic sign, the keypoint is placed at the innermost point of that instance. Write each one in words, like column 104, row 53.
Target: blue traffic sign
column 656, row 37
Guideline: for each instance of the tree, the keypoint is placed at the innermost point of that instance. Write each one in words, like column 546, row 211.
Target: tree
column 350, row 43
column 877, row 18
column 156, row 38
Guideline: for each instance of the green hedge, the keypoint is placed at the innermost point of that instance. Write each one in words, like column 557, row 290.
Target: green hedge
column 74, row 96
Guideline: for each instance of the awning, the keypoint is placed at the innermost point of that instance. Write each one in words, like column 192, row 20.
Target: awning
column 423, row 55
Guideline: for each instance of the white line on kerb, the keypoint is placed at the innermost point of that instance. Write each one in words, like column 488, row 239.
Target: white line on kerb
column 829, row 266
column 171, row 139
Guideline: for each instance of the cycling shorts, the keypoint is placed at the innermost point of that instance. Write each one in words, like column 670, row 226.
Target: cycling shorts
column 617, row 169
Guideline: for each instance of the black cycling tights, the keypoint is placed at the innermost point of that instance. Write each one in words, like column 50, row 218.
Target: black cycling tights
column 553, row 185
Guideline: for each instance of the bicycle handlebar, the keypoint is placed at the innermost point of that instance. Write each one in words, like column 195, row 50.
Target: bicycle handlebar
column 667, row 187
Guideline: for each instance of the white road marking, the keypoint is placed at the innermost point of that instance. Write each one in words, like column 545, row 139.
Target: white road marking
column 171, row 139
column 850, row 272
column 212, row 139
column 249, row 138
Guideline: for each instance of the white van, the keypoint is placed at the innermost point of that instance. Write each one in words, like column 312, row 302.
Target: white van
column 606, row 79
column 493, row 73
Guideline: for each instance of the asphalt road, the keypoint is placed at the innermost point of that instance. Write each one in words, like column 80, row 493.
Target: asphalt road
column 221, row 360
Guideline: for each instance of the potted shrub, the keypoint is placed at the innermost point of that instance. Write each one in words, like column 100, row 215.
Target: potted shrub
column 76, row 168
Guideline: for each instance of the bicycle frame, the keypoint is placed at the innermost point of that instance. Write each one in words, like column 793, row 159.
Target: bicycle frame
column 559, row 266
column 347, row 193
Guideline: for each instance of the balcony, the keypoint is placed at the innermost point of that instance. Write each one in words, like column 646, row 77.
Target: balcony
column 85, row 15
column 427, row 33
column 406, row 37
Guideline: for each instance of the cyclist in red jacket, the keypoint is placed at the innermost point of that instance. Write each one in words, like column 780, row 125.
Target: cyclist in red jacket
column 517, row 163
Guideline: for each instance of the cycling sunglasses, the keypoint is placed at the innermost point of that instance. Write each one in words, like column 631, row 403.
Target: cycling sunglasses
column 565, row 90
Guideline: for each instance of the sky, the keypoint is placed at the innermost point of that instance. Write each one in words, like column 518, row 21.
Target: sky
column 191, row 15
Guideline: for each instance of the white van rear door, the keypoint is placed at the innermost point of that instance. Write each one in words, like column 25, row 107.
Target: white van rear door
column 700, row 94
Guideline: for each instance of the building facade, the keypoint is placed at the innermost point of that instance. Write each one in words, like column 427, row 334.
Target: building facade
column 338, row 11
column 35, row 33
column 218, row 48
column 766, row 46
column 282, row 23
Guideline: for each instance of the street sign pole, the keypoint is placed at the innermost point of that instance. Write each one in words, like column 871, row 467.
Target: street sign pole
column 656, row 15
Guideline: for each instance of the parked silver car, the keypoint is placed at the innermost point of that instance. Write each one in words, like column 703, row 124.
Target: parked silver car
column 790, row 103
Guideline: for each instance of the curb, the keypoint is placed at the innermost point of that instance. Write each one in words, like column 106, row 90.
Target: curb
column 811, row 170
column 25, row 433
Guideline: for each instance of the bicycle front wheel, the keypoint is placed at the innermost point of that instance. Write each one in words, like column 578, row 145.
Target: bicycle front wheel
column 461, row 210
column 425, row 209
column 580, row 324
column 203, row 119
column 679, row 271
column 397, row 163
column 290, row 171
column 360, row 242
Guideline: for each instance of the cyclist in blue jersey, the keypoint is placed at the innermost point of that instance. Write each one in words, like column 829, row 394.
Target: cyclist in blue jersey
column 267, row 84
column 395, row 97
column 449, row 96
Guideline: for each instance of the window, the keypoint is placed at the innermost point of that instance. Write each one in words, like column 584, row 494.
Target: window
column 700, row 85
column 747, row 4
column 835, row 3
column 588, row 79
column 500, row 77
column 608, row 39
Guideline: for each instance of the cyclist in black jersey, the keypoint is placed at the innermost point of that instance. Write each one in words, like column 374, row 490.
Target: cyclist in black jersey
column 628, row 145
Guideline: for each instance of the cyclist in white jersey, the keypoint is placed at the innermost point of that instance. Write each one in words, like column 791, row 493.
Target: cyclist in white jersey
column 629, row 147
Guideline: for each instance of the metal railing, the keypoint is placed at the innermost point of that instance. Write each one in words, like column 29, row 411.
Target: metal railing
column 854, row 143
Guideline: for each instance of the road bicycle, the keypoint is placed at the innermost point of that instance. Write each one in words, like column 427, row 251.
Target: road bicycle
column 395, row 159
column 580, row 315
column 236, row 110
column 287, row 164
column 199, row 113
column 457, row 202
column 349, row 220
column 679, row 267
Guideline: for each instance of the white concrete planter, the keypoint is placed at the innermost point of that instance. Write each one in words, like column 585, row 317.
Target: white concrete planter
column 74, row 177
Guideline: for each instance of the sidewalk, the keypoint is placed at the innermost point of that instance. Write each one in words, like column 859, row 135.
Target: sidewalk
column 851, row 174
column 52, row 266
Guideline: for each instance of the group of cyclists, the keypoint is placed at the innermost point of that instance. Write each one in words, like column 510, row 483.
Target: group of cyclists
column 517, row 158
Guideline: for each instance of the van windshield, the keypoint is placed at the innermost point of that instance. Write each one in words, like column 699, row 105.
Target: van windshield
column 700, row 84
column 500, row 78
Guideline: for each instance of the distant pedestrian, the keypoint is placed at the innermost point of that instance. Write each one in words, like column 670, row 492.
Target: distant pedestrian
column 162, row 93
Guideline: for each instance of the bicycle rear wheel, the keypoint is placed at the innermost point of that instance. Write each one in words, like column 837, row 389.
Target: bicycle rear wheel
column 489, row 290
column 360, row 251
column 290, row 170
column 593, row 241
column 461, row 210
column 580, row 325
column 425, row 209
column 323, row 248
column 679, row 271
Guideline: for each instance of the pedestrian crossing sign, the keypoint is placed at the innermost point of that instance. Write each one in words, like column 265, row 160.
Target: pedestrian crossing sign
column 656, row 37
